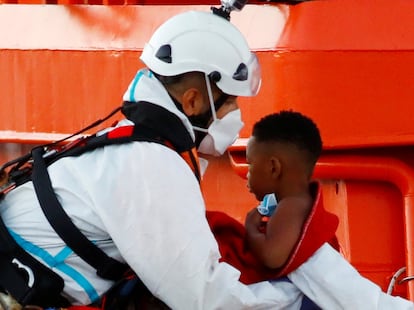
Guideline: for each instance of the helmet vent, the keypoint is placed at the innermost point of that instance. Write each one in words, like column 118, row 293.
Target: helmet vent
column 241, row 73
column 164, row 53
column 215, row 76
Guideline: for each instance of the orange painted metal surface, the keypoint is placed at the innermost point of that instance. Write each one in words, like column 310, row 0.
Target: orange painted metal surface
column 376, row 209
column 62, row 67
column 348, row 64
column 123, row 2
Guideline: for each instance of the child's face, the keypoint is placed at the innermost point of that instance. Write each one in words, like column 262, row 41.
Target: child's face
column 259, row 176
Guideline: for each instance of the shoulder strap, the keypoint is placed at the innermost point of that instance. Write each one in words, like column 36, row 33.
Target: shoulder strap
column 119, row 135
column 153, row 124
column 106, row 267
column 162, row 123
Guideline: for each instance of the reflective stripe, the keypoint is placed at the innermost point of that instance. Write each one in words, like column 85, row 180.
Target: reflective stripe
column 136, row 80
column 57, row 262
column 63, row 254
column 134, row 85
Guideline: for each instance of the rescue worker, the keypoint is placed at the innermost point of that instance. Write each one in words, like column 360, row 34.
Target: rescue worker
column 141, row 202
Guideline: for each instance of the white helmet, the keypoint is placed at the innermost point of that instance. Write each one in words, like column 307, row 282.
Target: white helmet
column 204, row 42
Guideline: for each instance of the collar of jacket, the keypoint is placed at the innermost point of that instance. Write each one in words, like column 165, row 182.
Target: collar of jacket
column 162, row 125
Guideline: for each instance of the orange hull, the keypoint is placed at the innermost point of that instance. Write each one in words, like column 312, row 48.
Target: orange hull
column 346, row 63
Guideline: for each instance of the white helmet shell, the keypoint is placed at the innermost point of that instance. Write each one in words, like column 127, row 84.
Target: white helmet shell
column 204, row 42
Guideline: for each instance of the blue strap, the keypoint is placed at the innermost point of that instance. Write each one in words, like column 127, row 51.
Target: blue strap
column 307, row 304
column 57, row 262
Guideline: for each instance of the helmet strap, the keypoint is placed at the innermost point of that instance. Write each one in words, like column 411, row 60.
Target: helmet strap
column 210, row 97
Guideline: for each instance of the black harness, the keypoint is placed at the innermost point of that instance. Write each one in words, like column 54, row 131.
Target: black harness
column 31, row 282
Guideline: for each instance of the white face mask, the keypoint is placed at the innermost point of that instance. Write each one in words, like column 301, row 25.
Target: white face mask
column 221, row 134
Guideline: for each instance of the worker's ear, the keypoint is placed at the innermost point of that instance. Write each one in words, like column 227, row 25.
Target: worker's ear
column 192, row 101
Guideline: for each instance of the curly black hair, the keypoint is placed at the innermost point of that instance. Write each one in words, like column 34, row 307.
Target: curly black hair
column 290, row 127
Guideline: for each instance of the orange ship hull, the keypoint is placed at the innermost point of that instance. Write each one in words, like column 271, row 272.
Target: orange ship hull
column 348, row 64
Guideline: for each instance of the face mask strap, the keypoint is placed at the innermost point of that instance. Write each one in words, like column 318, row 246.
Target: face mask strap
column 217, row 105
column 200, row 129
column 214, row 106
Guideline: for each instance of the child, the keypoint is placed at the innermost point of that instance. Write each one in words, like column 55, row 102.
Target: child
column 281, row 154
column 293, row 244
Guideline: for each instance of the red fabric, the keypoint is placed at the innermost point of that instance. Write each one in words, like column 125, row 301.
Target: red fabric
column 122, row 131
column 320, row 227
column 230, row 235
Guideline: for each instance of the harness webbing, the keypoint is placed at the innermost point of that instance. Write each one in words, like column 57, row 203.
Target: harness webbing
column 151, row 124
column 106, row 267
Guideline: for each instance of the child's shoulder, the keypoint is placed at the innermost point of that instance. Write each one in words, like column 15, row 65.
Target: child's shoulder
column 297, row 203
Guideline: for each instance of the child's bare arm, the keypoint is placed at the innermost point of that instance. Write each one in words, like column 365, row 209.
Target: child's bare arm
column 273, row 246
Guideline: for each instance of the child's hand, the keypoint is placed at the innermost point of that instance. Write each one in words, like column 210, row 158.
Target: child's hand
column 253, row 220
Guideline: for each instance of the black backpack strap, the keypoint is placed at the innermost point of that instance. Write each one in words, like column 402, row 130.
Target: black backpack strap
column 106, row 267
column 162, row 122
column 166, row 125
